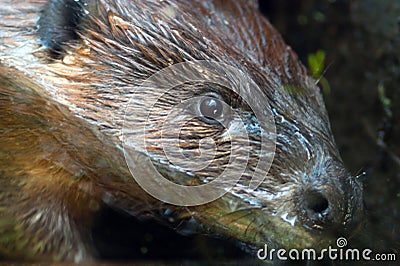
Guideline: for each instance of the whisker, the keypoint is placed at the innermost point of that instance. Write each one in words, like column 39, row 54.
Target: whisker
column 248, row 226
column 323, row 73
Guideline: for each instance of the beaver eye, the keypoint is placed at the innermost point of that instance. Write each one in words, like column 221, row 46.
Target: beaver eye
column 211, row 108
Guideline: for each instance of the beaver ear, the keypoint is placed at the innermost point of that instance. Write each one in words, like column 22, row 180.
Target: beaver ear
column 59, row 22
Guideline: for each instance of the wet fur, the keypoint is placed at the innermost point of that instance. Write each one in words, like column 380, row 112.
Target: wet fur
column 65, row 107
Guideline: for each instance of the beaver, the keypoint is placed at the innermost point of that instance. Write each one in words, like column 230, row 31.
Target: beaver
column 69, row 75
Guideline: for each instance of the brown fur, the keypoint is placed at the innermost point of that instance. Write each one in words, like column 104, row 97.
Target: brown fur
column 61, row 119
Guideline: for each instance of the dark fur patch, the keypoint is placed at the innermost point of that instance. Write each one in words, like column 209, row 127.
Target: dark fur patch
column 59, row 22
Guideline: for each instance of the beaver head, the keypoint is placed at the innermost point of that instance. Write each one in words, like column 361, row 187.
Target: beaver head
column 238, row 89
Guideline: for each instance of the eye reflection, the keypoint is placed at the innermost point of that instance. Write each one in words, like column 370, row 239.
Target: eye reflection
column 211, row 108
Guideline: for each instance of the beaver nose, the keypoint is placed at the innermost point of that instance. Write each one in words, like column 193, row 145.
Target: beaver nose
column 332, row 210
column 323, row 208
column 338, row 208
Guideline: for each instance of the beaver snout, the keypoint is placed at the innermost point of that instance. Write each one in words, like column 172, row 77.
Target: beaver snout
column 332, row 207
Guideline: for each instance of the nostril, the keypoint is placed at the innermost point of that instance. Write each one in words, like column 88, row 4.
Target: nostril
column 316, row 205
column 317, row 202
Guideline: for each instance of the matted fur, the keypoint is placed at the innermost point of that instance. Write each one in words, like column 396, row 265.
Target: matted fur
column 61, row 120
